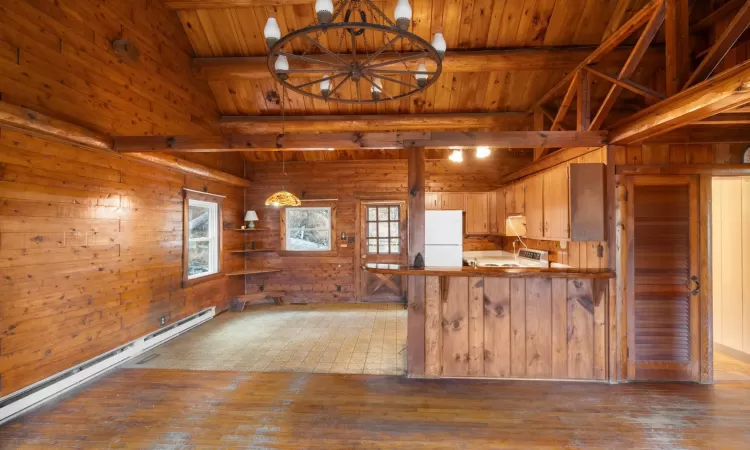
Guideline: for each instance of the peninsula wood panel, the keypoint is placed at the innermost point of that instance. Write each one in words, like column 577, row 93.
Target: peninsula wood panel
column 91, row 254
column 57, row 59
column 317, row 279
column 527, row 328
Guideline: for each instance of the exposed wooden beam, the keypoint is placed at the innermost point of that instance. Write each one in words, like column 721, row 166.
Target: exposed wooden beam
column 211, row 4
column 583, row 107
column 539, row 125
column 615, row 39
column 359, row 141
column 551, row 160
column 719, row 14
column 503, row 121
column 677, row 34
column 567, row 101
column 32, row 122
column 720, row 93
column 721, row 47
column 726, row 118
column 462, row 61
column 701, row 134
column 630, row 85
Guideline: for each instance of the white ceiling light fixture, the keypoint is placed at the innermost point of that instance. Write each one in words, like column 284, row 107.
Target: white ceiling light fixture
column 457, row 156
column 483, row 152
column 272, row 32
column 438, row 41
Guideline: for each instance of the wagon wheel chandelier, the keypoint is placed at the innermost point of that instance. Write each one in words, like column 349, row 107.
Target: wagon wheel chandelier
column 352, row 49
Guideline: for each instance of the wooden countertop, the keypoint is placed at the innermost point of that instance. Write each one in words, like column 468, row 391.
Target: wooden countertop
column 501, row 272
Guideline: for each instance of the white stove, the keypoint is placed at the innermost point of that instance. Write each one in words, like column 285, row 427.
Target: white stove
column 526, row 258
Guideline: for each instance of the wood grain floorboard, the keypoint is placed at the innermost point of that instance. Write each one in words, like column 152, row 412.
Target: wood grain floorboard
column 161, row 408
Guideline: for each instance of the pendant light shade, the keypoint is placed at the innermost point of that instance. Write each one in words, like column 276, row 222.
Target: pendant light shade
column 324, row 10
column 438, row 41
column 283, row 198
column 421, row 77
column 271, row 32
column 402, row 14
column 376, row 88
column 325, row 87
column 281, row 65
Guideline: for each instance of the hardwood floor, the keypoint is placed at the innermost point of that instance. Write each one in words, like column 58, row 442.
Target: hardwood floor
column 161, row 408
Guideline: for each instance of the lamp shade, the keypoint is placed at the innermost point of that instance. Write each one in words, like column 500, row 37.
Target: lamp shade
column 251, row 216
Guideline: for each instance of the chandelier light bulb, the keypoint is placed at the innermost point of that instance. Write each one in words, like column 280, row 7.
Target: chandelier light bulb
column 483, row 152
column 272, row 32
column 325, row 87
column 422, row 76
column 324, row 9
column 438, row 41
column 376, row 88
column 402, row 14
column 456, row 156
column 281, row 65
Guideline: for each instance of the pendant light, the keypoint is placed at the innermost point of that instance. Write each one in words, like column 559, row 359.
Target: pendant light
column 325, row 87
column 324, row 10
column 438, row 41
column 376, row 88
column 421, row 75
column 281, row 65
column 283, row 197
column 271, row 32
column 402, row 14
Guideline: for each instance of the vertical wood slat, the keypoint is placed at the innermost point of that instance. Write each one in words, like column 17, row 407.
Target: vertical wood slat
column 580, row 329
column 559, row 328
column 518, row 327
column 600, row 331
column 539, row 327
column 497, row 332
column 433, row 328
column 455, row 327
column 476, row 326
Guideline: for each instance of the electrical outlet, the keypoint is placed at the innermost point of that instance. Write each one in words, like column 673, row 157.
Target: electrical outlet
column 338, row 287
column 163, row 320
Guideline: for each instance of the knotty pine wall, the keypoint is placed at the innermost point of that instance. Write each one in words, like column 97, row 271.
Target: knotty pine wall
column 315, row 279
column 90, row 254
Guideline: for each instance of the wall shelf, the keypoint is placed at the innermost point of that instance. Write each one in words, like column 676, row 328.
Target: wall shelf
column 249, row 229
column 252, row 272
column 249, row 250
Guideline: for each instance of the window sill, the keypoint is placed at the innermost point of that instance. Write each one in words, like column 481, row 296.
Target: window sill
column 194, row 281
column 304, row 253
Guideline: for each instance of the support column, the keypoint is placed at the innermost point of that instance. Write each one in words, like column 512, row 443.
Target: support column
column 416, row 284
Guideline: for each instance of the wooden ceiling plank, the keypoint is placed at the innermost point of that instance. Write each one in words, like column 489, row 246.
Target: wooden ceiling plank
column 721, row 47
column 627, row 71
column 223, row 4
column 358, row 141
column 727, row 118
column 614, row 40
column 720, row 93
column 716, row 16
column 702, row 134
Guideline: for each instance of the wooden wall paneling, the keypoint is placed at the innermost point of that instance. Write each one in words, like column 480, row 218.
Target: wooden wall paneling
column 416, row 285
column 706, row 279
column 600, row 320
column 518, row 327
column 433, row 327
column 746, row 263
column 539, row 328
column 455, row 311
column 497, row 327
column 476, row 326
column 580, row 329
column 559, row 328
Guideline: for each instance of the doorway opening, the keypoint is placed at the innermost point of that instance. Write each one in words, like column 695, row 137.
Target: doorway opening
column 731, row 282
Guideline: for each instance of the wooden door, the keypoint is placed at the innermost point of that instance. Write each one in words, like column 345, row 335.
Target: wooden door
column 534, row 207
column 431, row 200
column 662, row 270
column 556, row 209
column 477, row 213
column 453, row 201
column 383, row 231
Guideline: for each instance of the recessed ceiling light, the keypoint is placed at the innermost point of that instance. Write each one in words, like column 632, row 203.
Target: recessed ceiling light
column 483, row 152
column 457, row 156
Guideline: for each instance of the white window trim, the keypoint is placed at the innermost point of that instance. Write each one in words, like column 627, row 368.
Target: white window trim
column 213, row 237
column 288, row 231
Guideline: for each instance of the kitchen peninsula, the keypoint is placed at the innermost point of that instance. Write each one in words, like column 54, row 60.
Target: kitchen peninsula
column 517, row 322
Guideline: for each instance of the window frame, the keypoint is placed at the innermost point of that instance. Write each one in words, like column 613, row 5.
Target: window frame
column 399, row 221
column 218, row 227
column 284, row 232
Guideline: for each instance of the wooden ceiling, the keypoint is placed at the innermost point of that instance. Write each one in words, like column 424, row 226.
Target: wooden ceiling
column 216, row 31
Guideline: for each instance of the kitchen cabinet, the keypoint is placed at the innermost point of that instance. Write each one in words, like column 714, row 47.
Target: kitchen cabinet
column 432, row 200
column 453, row 201
column 555, row 201
column 587, row 202
column 492, row 211
column 515, row 199
column 534, row 200
column 477, row 213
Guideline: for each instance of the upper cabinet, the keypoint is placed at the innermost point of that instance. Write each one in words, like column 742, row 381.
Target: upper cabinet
column 515, row 199
column 496, row 200
column 453, row 201
column 477, row 213
column 556, row 209
column 534, row 197
column 432, row 200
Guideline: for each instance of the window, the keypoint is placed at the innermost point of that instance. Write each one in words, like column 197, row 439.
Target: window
column 383, row 228
column 308, row 229
column 202, row 237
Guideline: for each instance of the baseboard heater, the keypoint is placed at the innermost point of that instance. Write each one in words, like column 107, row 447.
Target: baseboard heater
column 19, row 402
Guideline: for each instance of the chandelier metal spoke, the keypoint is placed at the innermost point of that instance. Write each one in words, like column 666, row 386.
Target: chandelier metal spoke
column 328, row 68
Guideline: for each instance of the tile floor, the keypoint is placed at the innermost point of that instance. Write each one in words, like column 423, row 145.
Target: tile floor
column 323, row 338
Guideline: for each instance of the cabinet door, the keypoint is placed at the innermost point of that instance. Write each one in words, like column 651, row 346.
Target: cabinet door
column 500, row 211
column 556, row 209
column 453, row 201
column 432, row 200
column 510, row 200
column 519, row 195
column 477, row 213
column 492, row 211
column 534, row 207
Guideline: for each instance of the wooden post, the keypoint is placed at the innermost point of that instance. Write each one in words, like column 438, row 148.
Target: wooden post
column 415, row 334
column 583, row 108
column 677, row 36
column 538, row 126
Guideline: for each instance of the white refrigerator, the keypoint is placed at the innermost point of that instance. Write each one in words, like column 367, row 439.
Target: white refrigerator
column 444, row 237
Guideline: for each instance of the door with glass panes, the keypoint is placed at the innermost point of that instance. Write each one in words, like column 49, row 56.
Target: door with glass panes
column 383, row 231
